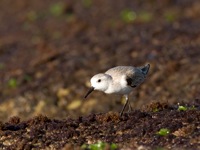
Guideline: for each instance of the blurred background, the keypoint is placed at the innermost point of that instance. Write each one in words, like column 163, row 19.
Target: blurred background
column 50, row 49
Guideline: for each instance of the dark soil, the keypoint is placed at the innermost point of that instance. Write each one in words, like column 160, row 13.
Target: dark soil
column 132, row 130
column 49, row 50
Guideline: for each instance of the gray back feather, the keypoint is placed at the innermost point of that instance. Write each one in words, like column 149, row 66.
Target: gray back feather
column 134, row 75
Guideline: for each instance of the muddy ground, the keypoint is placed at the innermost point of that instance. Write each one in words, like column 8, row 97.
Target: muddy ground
column 49, row 50
column 135, row 130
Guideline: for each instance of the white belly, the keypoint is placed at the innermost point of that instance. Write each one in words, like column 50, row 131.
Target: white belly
column 118, row 90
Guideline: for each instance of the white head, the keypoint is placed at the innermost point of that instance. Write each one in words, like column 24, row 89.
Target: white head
column 99, row 82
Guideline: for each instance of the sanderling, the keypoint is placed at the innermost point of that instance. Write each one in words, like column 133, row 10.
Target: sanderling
column 119, row 80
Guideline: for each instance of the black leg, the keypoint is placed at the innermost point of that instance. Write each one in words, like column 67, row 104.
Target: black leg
column 121, row 113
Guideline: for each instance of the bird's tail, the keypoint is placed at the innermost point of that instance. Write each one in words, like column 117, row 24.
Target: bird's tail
column 145, row 69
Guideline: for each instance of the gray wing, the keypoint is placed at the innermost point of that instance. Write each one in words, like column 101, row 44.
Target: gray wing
column 138, row 76
column 135, row 79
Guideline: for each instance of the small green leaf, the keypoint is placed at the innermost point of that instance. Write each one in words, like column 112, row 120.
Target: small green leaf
column 12, row 83
column 163, row 132
column 155, row 110
column 99, row 146
column 57, row 9
column 128, row 15
column 170, row 16
column 192, row 108
column 113, row 146
column 84, row 146
column 182, row 108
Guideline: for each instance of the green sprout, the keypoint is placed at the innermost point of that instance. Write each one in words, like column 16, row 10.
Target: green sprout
column 182, row 108
column 113, row 146
column 192, row 107
column 12, row 83
column 163, row 132
column 170, row 16
column 99, row 146
column 128, row 15
column 57, row 9
column 155, row 110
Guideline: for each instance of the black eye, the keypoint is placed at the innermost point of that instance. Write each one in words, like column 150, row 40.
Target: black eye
column 99, row 80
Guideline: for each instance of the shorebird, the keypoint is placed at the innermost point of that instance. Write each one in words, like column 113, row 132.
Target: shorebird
column 119, row 80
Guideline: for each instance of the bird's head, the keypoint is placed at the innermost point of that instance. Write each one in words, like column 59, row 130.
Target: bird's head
column 99, row 82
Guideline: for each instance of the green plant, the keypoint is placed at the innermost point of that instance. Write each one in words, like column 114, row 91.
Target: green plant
column 163, row 132
column 57, row 9
column 12, row 83
column 155, row 110
column 170, row 16
column 192, row 107
column 99, row 146
column 182, row 108
column 128, row 15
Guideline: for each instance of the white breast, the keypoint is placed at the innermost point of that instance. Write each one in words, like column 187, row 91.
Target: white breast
column 119, row 87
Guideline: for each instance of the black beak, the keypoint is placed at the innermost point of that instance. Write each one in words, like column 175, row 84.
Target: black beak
column 90, row 91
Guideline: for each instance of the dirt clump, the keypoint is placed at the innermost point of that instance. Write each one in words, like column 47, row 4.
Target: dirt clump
column 133, row 130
